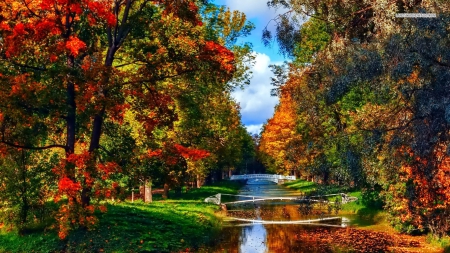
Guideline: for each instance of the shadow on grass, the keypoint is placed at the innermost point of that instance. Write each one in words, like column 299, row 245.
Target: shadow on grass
column 127, row 227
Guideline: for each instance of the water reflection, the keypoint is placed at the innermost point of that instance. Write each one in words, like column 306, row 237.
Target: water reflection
column 249, row 238
column 253, row 239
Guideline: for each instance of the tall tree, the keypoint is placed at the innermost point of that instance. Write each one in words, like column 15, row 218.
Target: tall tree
column 69, row 67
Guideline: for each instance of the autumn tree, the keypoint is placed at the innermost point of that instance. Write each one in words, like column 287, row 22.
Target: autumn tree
column 70, row 67
column 381, row 81
column 277, row 133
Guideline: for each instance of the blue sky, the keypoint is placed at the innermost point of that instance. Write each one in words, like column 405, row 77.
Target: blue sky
column 256, row 103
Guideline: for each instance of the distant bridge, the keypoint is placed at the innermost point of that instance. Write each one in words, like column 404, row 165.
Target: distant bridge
column 262, row 177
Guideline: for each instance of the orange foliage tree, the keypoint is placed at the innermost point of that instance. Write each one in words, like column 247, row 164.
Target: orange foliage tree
column 277, row 133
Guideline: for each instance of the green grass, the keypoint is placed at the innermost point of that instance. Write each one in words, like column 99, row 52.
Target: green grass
column 443, row 242
column 162, row 226
column 355, row 206
column 303, row 186
column 228, row 187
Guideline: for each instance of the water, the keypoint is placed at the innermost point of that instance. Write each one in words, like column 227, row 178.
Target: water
column 247, row 237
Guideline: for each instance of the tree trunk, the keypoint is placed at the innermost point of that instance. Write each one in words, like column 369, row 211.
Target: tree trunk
column 148, row 198
column 178, row 190
column 166, row 191
column 326, row 176
column 199, row 181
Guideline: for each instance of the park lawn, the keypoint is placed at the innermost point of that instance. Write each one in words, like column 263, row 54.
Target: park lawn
column 162, row 226
column 301, row 185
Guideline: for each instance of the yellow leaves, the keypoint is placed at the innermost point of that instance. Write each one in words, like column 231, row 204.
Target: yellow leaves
column 279, row 131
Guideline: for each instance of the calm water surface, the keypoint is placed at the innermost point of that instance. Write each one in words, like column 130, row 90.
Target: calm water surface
column 255, row 238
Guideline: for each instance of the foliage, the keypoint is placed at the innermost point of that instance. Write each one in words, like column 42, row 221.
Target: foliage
column 371, row 103
column 102, row 84
column 23, row 179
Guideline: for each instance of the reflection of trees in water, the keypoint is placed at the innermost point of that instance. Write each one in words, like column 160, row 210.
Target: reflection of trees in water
column 297, row 211
column 319, row 206
column 285, row 238
column 297, row 238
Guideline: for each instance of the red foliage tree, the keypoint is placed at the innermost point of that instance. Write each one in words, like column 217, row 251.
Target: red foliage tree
column 68, row 66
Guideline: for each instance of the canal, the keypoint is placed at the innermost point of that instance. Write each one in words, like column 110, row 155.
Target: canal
column 355, row 233
column 251, row 237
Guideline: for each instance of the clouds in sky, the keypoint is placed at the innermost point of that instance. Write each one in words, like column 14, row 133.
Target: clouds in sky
column 260, row 14
column 254, row 9
column 256, row 103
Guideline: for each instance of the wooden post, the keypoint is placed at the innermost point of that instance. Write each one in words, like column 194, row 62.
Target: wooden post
column 132, row 195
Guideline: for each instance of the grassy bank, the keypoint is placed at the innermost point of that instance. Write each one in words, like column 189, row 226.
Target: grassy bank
column 362, row 215
column 162, row 226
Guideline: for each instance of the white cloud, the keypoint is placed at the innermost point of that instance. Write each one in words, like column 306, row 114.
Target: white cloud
column 254, row 129
column 254, row 9
column 257, row 105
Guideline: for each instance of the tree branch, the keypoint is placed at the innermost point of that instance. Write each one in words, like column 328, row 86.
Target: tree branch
column 33, row 148
column 28, row 66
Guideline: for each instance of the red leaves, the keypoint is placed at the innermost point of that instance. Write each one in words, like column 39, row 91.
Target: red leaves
column 107, row 169
column 19, row 29
column 53, row 58
column 220, row 54
column 80, row 160
column 102, row 9
column 155, row 153
column 4, row 26
column 66, row 185
column 118, row 111
column 46, row 4
column 75, row 45
column 431, row 189
column 191, row 153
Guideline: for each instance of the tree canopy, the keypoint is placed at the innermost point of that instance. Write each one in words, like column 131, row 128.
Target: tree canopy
column 369, row 93
column 118, row 91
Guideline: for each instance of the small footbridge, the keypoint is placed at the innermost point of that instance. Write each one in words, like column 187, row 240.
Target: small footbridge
column 262, row 177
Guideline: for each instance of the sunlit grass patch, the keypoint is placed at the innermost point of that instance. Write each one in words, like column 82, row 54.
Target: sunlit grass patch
column 301, row 185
